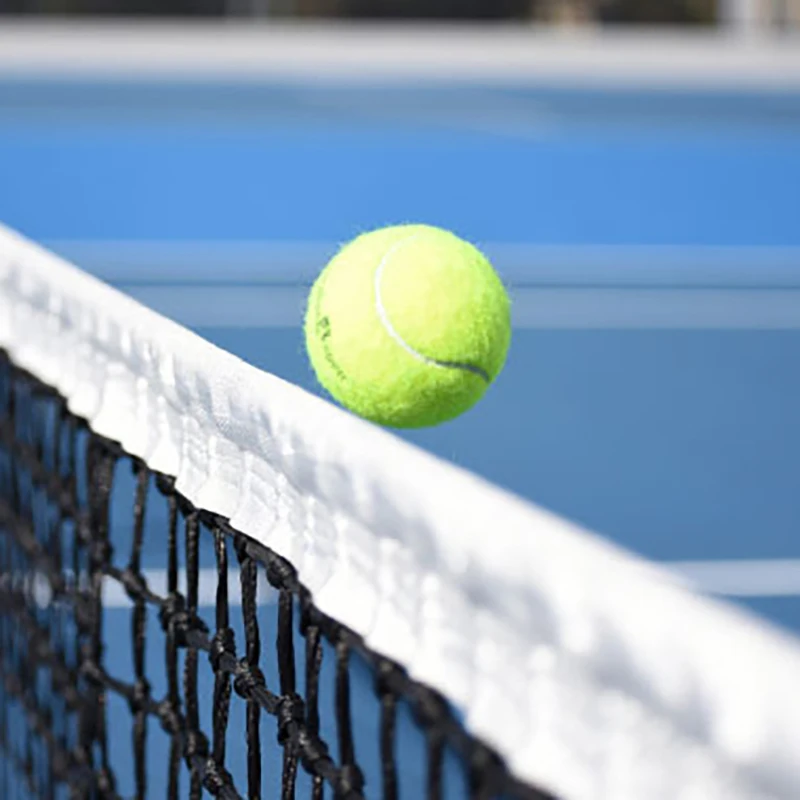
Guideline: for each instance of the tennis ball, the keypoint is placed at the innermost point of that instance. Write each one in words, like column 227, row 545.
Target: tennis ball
column 407, row 326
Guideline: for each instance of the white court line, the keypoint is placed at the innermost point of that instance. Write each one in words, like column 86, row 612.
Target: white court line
column 561, row 287
column 730, row 578
column 233, row 261
column 256, row 307
column 742, row 578
column 725, row 578
column 114, row 595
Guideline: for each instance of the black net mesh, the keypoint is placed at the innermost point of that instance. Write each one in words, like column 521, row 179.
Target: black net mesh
column 133, row 657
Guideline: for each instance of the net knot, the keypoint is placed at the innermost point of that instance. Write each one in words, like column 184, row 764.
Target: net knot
column 134, row 584
column 140, row 696
column 100, row 551
column 386, row 678
column 196, row 746
column 89, row 668
column 429, row 708
column 216, row 778
column 165, row 484
column 65, row 683
column 280, row 573
column 223, row 644
column 171, row 607
column 170, row 717
column 83, row 526
column 488, row 772
column 313, row 752
column 350, row 782
column 105, row 783
column 60, row 489
column 84, row 611
column 176, row 621
column 308, row 619
column 290, row 712
column 249, row 678
column 81, row 757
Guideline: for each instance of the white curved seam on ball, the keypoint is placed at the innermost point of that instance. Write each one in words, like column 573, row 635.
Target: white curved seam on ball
column 383, row 316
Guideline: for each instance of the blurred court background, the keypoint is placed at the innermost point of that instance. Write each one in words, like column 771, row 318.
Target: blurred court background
column 632, row 166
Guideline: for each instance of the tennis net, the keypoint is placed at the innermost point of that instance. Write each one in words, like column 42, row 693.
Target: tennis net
column 165, row 509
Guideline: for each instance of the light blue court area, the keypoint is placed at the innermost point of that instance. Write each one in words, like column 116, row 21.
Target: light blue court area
column 650, row 239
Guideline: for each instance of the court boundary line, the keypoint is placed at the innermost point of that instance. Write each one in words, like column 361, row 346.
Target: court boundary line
column 731, row 578
column 264, row 261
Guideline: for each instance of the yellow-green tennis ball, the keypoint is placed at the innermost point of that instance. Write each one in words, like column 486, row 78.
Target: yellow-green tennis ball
column 407, row 326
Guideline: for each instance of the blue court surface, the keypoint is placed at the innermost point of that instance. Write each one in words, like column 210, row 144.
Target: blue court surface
column 651, row 241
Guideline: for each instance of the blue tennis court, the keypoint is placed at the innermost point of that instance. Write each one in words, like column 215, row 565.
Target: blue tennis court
column 650, row 240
